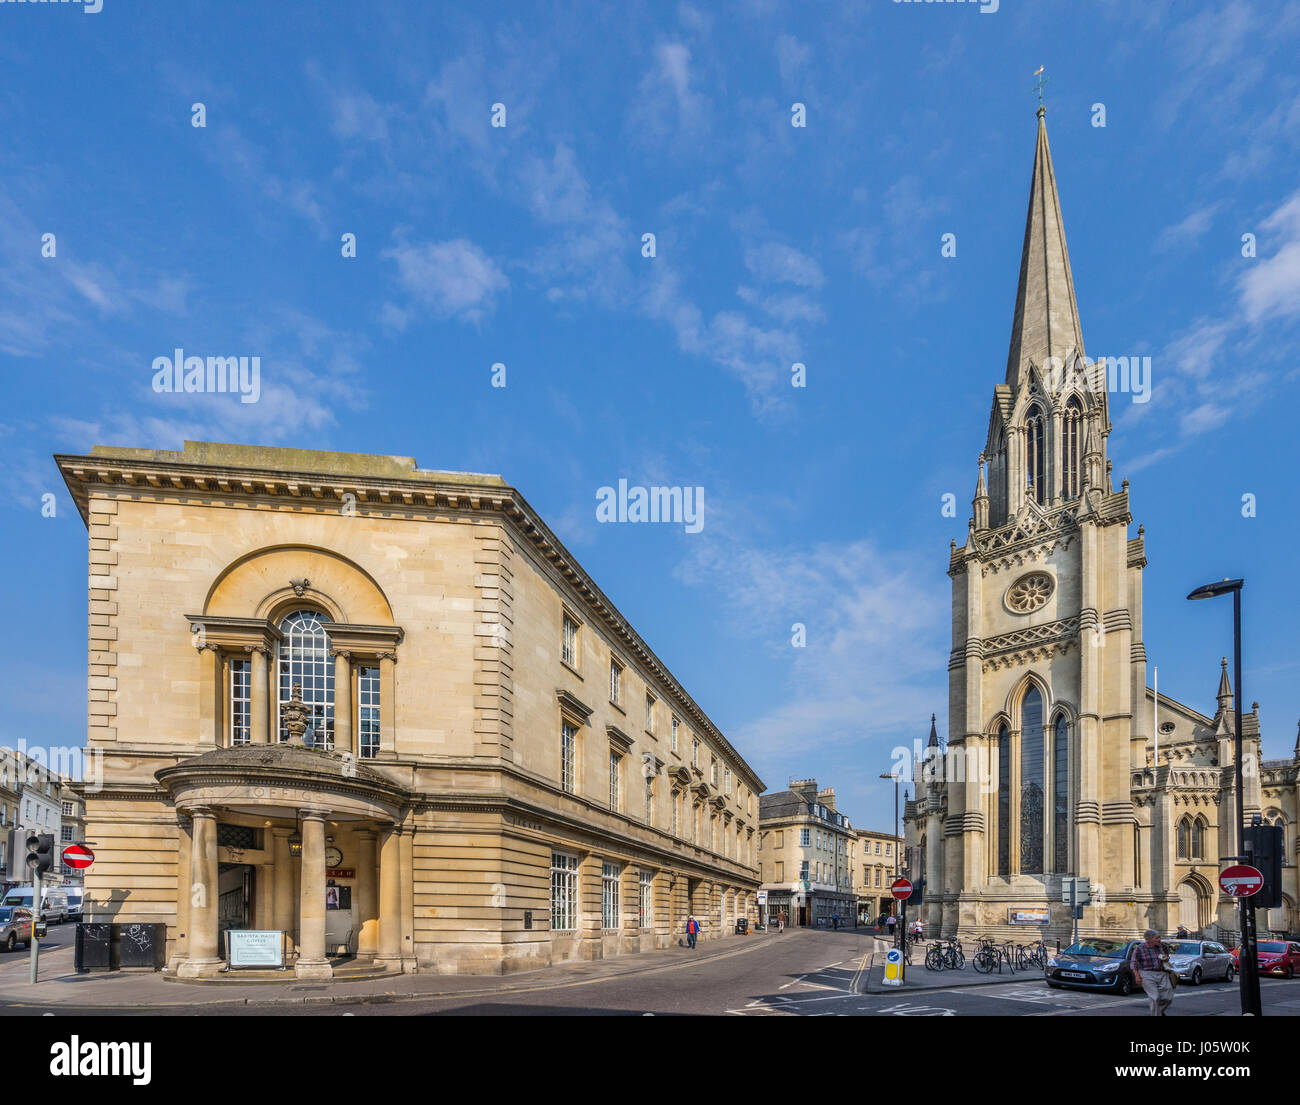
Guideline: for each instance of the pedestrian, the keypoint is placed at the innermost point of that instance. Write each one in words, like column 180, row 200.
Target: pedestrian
column 890, row 922
column 692, row 930
column 781, row 922
column 1150, row 965
column 835, row 921
column 1182, row 932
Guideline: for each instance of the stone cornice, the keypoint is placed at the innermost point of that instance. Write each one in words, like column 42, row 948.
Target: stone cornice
column 153, row 476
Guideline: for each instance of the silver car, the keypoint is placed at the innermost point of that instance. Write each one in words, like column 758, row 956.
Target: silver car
column 1198, row 960
column 15, row 927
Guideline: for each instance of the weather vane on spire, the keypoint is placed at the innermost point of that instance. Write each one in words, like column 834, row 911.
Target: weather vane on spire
column 1038, row 85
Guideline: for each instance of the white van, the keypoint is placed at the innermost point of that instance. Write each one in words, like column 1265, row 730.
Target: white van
column 54, row 901
column 76, row 902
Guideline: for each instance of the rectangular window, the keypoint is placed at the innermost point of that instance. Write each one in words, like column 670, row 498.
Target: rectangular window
column 780, row 870
column 677, row 814
column 650, row 802
column 568, row 757
column 676, row 723
column 569, row 642
column 564, row 892
column 609, row 895
column 695, row 752
column 713, row 770
column 805, row 837
column 615, row 762
column 726, row 781
column 66, row 833
column 368, row 712
column 615, row 681
column 649, row 713
column 803, row 870
column 889, row 848
column 645, row 906
column 240, row 681
column 67, row 809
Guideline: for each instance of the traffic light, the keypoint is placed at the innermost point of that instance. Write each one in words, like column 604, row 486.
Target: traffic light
column 1267, row 856
column 38, row 849
column 15, row 856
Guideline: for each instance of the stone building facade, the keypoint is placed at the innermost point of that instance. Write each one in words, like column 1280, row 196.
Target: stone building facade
column 806, row 853
column 877, row 866
column 384, row 711
column 1056, row 764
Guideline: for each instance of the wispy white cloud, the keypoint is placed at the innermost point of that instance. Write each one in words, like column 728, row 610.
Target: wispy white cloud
column 453, row 279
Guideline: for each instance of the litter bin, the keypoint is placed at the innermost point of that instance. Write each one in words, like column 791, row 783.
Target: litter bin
column 93, row 947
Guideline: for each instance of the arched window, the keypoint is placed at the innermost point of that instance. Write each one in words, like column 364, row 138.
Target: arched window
column 1071, row 433
column 1035, row 455
column 305, row 660
column 1061, row 797
column 1004, row 801
column 1184, row 838
column 1199, row 826
column 998, row 480
column 1031, row 783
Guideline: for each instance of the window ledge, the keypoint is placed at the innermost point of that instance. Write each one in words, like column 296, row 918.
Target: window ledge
column 566, row 664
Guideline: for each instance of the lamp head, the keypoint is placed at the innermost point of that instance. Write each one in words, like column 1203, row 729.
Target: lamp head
column 1214, row 590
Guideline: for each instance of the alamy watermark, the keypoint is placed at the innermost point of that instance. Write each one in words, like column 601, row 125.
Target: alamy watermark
column 682, row 506
column 190, row 375
column 1122, row 375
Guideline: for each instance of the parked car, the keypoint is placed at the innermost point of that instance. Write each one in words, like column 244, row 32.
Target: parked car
column 1095, row 964
column 1275, row 957
column 15, row 927
column 1197, row 960
column 54, row 901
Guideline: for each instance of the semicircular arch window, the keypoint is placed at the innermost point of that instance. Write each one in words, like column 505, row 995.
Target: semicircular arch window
column 305, row 660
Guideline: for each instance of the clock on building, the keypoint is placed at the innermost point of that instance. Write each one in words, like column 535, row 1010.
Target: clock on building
column 333, row 857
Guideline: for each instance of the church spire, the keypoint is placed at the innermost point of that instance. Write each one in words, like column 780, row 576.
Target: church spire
column 1225, row 689
column 1046, row 320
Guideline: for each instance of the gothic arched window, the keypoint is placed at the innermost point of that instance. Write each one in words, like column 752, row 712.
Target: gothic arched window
column 304, row 659
column 1184, row 838
column 1004, row 801
column 1035, row 455
column 1199, row 827
column 998, row 480
column 1071, row 433
column 1061, row 796
column 1031, row 783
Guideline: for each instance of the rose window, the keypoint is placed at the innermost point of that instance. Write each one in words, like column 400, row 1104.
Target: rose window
column 1030, row 592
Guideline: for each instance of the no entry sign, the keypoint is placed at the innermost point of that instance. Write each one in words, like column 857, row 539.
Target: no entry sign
column 78, row 856
column 1241, row 881
column 902, row 889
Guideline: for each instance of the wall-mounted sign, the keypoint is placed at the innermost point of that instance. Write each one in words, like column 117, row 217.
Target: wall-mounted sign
column 340, row 872
column 1038, row 915
column 255, row 947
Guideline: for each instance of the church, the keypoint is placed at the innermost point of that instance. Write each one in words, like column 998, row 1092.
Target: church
column 1060, row 760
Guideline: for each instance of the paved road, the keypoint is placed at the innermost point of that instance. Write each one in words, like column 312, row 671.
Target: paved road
column 794, row 974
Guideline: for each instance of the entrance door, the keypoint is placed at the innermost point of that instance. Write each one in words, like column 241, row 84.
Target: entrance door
column 234, row 900
column 803, row 915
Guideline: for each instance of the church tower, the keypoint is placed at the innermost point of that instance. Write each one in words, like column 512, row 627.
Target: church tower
column 1047, row 670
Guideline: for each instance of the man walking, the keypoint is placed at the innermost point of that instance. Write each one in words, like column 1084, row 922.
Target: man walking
column 890, row 922
column 692, row 930
column 1150, row 967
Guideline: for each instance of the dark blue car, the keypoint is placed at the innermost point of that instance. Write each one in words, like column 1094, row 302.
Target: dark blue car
column 1094, row 964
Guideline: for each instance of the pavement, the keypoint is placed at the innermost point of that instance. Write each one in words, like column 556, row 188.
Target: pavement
column 60, row 985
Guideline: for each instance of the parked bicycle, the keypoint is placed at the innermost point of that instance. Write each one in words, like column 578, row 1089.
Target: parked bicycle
column 945, row 955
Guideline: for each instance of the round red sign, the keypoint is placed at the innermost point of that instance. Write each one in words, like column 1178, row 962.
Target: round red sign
column 78, row 856
column 1241, row 881
column 901, row 888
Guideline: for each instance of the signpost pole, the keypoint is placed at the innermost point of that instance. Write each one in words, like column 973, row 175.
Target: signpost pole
column 36, row 916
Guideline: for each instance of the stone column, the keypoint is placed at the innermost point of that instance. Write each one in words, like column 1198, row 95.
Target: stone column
column 390, row 899
column 387, row 695
column 367, row 900
column 311, row 899
column 282, row 882
column 209, row 698
column 203, row 958
column 343, row 702
column 184, row 848
column 259, row 707
column 406, row 885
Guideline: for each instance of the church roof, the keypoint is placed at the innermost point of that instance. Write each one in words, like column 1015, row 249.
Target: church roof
column 1046, row 320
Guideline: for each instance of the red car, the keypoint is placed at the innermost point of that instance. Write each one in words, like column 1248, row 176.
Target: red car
column 1276, row 957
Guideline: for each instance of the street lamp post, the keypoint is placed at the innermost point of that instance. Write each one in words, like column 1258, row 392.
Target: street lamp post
column 1247, row 960
column 891, row 775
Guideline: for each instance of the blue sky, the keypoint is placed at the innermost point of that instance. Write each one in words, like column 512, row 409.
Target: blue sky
column 774, row 245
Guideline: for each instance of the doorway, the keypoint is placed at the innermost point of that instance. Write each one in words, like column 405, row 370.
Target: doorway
column 235, row 888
